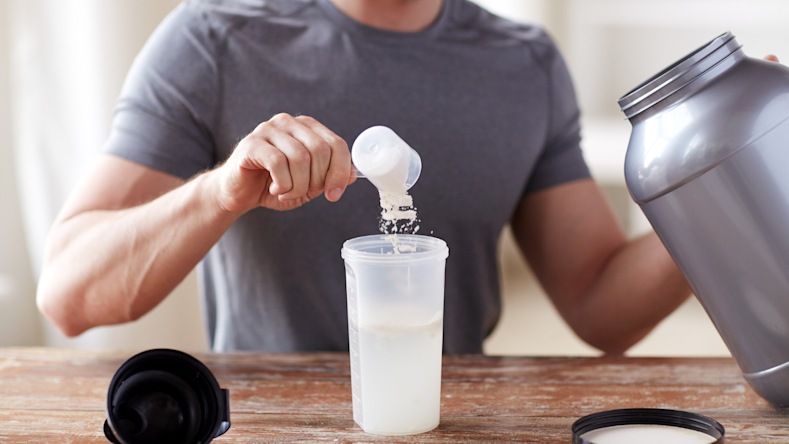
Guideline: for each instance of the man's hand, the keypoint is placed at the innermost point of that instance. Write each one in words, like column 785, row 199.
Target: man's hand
column 771, row 58
column 284, row 163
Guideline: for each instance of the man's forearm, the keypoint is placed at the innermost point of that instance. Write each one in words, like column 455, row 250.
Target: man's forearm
column 123, row 242
column 638, row 287
column 112, row 266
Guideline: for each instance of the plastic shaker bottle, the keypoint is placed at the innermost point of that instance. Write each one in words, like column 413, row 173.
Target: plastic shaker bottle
column 395, row 325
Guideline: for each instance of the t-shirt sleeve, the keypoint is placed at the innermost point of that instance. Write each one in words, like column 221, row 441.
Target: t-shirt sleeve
column 165, row 112
column 561, row 160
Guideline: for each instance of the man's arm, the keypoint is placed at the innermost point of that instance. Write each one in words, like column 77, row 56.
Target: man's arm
column 611, row 291
column 128, row 234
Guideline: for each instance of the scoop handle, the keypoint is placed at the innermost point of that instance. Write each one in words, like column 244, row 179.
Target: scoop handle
column 359, row 174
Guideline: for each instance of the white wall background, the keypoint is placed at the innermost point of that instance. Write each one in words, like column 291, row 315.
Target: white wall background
column 19, row 324
column 67, row 60
column 62, row 63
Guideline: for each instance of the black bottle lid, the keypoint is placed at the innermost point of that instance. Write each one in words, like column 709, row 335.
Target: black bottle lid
column 165, row 396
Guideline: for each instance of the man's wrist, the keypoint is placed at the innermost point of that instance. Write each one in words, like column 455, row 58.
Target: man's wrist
column 209, row 188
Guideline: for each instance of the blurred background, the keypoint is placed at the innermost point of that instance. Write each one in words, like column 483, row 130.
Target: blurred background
column 62, row 63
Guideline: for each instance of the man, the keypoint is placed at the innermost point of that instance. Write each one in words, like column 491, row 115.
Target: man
column 189, row 171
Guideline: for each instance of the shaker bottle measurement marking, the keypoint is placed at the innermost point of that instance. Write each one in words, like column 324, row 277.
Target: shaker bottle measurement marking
column 353, row 321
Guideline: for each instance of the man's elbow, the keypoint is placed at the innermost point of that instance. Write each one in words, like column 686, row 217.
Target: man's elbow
column 612, row 342
column 59, row 310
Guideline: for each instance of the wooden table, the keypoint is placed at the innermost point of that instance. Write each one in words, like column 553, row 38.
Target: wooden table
column 58, row 396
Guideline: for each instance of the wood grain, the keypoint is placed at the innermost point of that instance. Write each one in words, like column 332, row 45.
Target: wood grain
column 52, row 395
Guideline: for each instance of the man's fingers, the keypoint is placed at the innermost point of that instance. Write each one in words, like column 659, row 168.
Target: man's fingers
column 299, row 160
column 338, row 175
column 771, row 58
column 302, row 156
column 258, row 154
column 303, row 130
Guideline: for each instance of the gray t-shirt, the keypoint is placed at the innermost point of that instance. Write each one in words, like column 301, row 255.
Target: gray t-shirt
column 487, row 103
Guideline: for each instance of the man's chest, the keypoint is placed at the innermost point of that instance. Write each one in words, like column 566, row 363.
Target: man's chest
column 478, row 123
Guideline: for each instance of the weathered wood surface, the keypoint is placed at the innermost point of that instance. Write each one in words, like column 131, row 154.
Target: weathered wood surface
column 58, row 396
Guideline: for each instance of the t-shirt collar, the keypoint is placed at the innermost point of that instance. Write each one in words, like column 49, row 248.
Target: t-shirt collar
column 353, row 26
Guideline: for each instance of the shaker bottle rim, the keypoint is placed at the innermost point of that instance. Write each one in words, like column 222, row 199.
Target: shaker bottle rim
column 379, row 248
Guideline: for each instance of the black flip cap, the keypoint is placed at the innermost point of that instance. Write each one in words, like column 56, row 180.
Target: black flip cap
column 165, row 396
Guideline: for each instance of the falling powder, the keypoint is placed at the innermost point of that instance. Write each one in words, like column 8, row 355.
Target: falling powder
column 398, row 247
column 398, row 215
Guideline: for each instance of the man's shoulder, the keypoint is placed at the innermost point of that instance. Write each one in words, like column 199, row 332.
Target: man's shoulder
column 472, row 22
column 252, row 8
column 214, row 21
column 229, row 14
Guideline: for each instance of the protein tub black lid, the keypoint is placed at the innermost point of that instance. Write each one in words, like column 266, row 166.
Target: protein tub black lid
column 664, row 417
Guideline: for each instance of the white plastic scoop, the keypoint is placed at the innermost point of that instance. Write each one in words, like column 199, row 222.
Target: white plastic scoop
column 384, row 159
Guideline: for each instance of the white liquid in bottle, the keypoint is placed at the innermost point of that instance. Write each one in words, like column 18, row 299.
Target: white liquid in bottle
column 401, row 377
